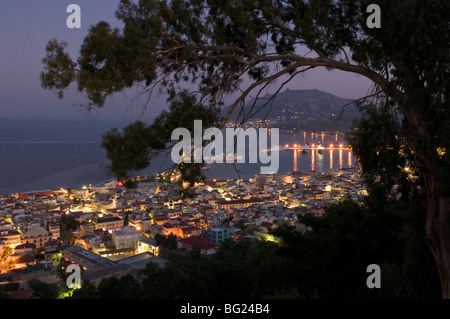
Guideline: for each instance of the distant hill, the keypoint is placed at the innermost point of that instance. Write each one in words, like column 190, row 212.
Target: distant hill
column 310, row 110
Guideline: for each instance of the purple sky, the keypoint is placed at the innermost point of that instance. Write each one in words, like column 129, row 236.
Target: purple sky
column 27, row 25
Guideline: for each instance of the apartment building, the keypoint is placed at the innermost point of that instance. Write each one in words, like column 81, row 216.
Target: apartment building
column 109, row 223
column 36, row 235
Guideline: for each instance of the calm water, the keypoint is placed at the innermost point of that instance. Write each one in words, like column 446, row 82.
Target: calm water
column 293, row 160
column 49, row 154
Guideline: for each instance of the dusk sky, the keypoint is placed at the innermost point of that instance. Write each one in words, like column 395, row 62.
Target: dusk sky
column 27, row 25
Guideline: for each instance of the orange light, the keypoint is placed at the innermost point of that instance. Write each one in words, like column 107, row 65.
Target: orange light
column 340, row 145
column 331, row 145
column 295, row 145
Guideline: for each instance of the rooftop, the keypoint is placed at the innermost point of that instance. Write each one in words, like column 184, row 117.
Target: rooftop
column 97, row 259
column 112, row 270
column 200, row 243
column 34, row 231
column 108, row 219
column 240, row 201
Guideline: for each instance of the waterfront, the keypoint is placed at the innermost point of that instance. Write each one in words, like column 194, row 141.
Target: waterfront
column 64, row 153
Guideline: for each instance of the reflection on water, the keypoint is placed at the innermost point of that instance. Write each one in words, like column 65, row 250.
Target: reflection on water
column 307, row 161
column 295, row 160
column 74, row 156
column 331, row 159
column 289, row 160
column 320, row 161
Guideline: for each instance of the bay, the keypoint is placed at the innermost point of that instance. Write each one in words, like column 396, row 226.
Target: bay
column 47, row 154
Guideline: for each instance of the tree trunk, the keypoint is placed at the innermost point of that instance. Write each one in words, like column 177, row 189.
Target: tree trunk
column 437, row 223
column 438, row 232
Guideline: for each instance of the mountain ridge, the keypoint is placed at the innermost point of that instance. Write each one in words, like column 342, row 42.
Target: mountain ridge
column 310, row 110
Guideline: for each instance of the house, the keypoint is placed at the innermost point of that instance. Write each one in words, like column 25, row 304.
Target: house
column 86, row 230
column 54, row 229
column 81, row 193
column 36, row 235
column 10, row 202
column 161, row 219
column 26, row 248
column 109, row 223
column 146, row 225
column 188, row 231
column 206, row 247
column 218, row 234
column 23, row 261
column 239, row 203
column 266, row 226
column 10, row 238
column 78, row 216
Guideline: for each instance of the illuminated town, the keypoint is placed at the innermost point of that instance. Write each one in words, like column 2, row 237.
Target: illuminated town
column 110, row 230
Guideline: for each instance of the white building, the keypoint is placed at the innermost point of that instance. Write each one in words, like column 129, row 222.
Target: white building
column 126, row 238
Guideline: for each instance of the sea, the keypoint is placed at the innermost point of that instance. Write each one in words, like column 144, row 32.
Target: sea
column 49, row 154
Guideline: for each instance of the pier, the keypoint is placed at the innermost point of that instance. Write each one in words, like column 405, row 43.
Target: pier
column 301, row 147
